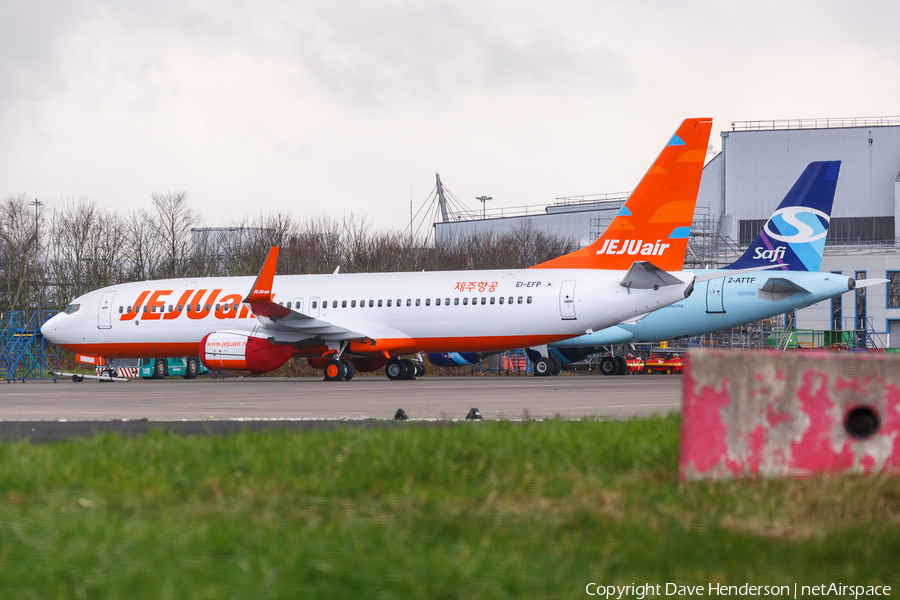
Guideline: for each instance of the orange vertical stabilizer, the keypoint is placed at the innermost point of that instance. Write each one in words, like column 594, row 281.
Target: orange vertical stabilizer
column 655, row 223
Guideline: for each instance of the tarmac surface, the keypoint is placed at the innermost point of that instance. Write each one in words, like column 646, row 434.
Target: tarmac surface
column 42, row 408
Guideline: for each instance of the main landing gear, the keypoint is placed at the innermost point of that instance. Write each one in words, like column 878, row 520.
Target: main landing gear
column 403, row 368
column 547, row 366
column 613, row 365
column 545, row 363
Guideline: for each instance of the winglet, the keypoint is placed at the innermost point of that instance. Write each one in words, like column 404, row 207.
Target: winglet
column 262, row 287
column 655, row 223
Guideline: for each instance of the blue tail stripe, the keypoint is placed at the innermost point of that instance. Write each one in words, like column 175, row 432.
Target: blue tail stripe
column 680, row 233
column 675, row 141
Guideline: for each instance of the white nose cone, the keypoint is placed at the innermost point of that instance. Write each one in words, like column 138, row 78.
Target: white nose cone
column 48, row 329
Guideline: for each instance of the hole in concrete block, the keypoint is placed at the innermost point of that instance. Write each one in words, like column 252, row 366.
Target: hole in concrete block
column 861, row 422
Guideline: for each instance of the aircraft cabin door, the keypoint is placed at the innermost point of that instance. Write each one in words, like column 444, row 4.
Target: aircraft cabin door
column 297, row 305
column 567, row 300
column 314, row 307
column 714, row 295
column 104, row 312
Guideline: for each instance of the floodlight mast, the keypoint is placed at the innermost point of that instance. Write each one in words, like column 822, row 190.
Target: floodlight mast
column 483, row 200
column 442, row 201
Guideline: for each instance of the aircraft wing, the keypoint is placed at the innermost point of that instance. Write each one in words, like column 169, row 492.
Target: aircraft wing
column 277, row 318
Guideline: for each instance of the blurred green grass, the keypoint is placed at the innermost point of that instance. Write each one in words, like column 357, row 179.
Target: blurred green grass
column 468, row 510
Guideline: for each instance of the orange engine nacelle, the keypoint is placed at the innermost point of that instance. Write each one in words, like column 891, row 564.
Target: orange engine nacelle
column 239, row 350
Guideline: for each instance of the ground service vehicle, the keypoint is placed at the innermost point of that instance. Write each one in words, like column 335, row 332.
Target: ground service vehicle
column 668, row 364
column 159, row 368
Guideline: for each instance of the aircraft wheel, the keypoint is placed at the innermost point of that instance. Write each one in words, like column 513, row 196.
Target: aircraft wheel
column 77, row 378
column 623, row 366
column 410, row 368
column 395, row 369
column 351, row 369
column 543, row 367
column 609, row 365
column 335, row 370
column 159, row 368
column 420, row 370
column 557, row 366
column 191, row 369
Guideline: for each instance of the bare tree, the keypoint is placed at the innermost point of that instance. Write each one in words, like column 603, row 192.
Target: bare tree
column 83, row 247
column 20, row 269
column 171, row 222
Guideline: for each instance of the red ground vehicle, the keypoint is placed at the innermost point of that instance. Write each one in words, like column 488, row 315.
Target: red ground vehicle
column 667, row 364
column 635, row 365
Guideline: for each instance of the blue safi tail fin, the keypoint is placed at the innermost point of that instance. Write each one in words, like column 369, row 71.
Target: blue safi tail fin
column 794, row 236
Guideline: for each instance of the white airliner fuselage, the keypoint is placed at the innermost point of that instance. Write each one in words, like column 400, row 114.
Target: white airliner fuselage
column 383, row 313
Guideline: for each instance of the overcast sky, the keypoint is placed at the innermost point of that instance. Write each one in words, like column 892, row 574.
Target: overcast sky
column 335, row 107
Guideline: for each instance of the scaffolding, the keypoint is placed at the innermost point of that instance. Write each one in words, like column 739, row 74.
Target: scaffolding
column 511, row 361
column 24, row 352
column 758, row 335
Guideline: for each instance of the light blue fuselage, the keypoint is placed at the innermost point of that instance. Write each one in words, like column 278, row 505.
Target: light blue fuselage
column 720, row 304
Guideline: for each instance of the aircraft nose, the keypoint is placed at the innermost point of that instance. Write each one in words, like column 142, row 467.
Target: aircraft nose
column 49, row 328
column 851, row 284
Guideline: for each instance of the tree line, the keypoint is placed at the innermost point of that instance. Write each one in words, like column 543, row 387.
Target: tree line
column 52, row 253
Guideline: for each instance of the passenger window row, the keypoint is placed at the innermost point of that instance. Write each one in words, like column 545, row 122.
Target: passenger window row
column 178, row 308
column 334, row 304
column 418, row 302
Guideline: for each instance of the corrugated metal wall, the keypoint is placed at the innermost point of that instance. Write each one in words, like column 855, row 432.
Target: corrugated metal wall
column 759, row 167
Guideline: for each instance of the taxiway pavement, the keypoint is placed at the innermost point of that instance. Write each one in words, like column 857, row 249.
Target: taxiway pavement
column 496, row 397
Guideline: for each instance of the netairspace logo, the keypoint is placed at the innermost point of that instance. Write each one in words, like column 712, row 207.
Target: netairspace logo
column 649, row 590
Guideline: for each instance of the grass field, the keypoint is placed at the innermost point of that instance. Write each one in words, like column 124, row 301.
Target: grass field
column 472, row 510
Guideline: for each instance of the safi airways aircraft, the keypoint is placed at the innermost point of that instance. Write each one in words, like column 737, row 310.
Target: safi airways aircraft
column 793, row 239
column 364, row 321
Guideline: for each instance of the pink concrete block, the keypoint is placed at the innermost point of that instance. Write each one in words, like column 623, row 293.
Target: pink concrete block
column 776, row 414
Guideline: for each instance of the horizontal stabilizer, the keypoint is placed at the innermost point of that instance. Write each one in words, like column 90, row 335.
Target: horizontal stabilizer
column 645, row 276
column 861, row 283
column 779, row 288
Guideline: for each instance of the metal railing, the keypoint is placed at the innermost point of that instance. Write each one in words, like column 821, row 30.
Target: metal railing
column 830, row 123
column 590, row 199
column 534, row 209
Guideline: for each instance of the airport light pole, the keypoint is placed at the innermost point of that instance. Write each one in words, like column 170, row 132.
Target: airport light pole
column 483, row 199
column 36, row 204
column 94, row 261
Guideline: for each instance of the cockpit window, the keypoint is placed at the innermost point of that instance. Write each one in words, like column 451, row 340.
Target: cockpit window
column 72, row 308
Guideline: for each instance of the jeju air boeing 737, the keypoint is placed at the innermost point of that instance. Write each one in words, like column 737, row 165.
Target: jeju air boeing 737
column 368, row 320
column 793, row 239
